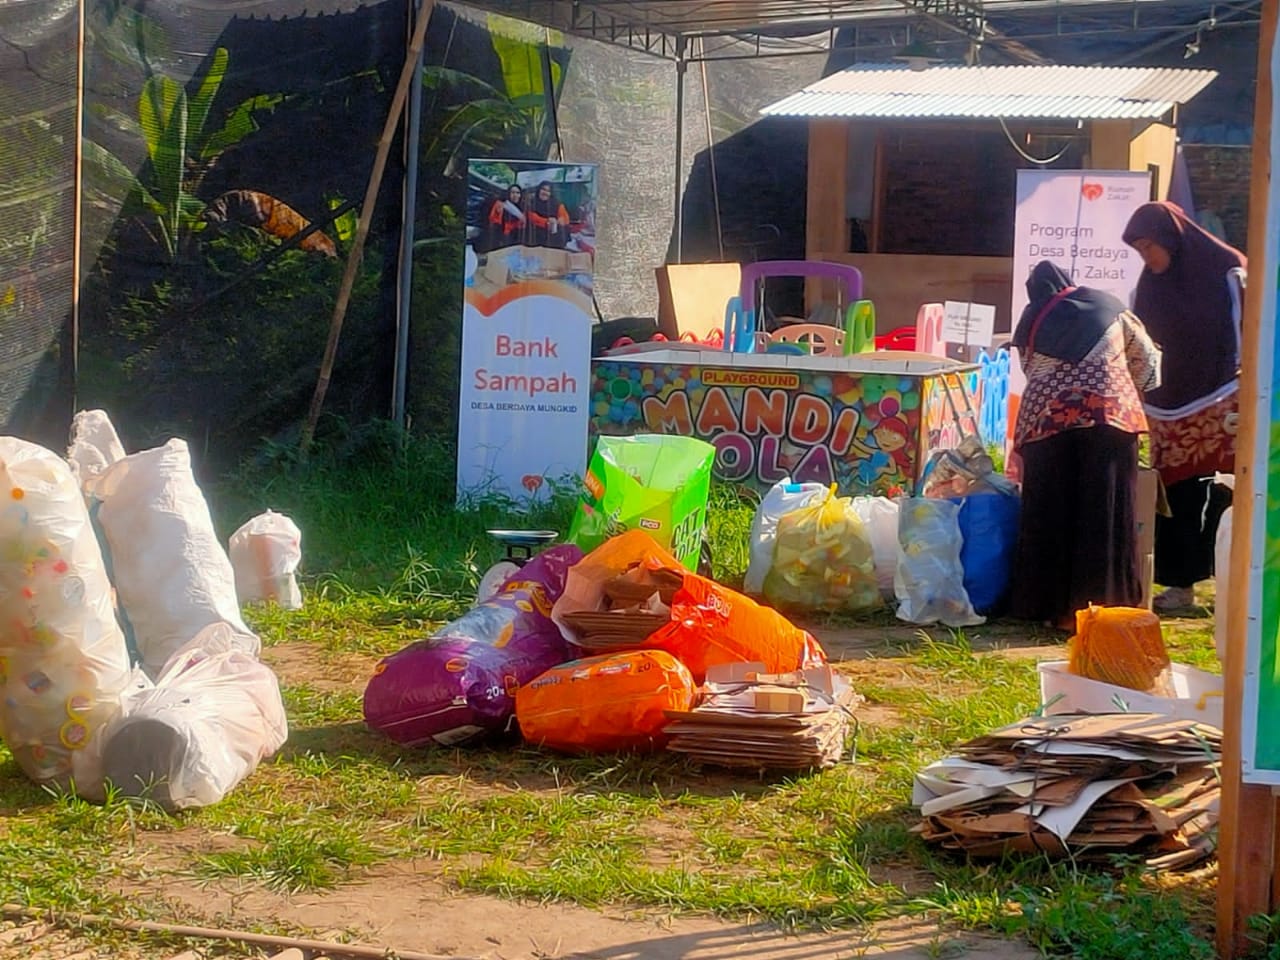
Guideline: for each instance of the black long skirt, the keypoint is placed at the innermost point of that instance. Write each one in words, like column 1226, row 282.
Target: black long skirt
column 1185, row 541
column 1077, row 542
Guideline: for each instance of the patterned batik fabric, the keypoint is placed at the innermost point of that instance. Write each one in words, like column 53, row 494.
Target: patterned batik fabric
column 1197, row 445
column 1103, row 389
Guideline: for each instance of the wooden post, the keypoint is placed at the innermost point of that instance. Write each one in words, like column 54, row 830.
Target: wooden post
column 366, row 217
column 1246, row 832
column 877, row 193
column 826, row 229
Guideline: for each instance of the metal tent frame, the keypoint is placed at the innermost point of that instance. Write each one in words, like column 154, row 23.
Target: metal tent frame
column 699, row 31
column 672, row 29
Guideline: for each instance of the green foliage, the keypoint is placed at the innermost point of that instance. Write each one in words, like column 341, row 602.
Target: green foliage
column 376, row 507
column 1109, row 918
column 180, row 146
column 223, row 370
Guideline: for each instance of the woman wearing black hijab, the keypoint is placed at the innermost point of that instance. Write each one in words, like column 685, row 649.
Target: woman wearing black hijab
column 1189, row 297
column 548, row 219
column 1087, row 361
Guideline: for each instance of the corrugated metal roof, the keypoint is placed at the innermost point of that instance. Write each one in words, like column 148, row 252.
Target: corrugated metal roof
column 1073, row 93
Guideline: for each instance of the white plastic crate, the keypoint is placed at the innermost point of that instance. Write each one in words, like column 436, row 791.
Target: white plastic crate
column 1198, row 694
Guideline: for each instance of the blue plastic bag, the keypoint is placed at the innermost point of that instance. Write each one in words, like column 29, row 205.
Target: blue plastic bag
column 989, row 525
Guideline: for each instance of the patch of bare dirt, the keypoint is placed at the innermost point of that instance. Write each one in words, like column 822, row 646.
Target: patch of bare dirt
column 403, row 906
column 324, row 670
column 859, row 642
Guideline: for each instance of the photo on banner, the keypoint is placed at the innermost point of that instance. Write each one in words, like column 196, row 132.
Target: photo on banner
column 527, row 313
column 1260, row 747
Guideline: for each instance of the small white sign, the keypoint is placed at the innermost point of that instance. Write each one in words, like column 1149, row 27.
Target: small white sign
column 968, row 323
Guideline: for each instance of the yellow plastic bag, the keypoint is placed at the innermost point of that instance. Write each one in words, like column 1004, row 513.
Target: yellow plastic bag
column 823, row 558
column 1121, row 646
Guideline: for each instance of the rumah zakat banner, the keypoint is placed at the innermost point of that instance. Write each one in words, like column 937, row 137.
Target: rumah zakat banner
column 526, row 328
column 1076, row 219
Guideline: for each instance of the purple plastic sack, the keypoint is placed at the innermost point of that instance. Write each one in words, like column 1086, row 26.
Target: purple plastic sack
column 461, row 683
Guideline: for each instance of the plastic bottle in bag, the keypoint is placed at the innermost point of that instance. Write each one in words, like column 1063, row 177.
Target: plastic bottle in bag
column 783, row 497
column 880, row 517
column 823, row 558
column 929, row 582
column 63, row 659
column 265, row 554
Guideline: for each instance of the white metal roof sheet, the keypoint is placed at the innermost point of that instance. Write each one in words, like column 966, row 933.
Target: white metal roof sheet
column 1085, row 93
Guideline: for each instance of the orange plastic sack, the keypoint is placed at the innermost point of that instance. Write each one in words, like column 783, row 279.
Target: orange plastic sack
column 1121, row 646
column 614, row 702
column 711, row 624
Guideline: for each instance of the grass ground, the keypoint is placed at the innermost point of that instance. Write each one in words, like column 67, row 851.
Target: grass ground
column 387, row 558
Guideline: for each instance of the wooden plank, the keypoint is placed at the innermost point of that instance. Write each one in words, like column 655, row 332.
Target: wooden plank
column 826, row 229
column 877, row 194
column 1246, row 831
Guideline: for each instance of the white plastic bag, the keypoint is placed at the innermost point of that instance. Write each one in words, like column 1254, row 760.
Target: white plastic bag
column 880, row 518
column 63, row 659
column 929, row 582
column 171, row 574
column 211, row 717
column 95, row 445
column 781, row 499
column 265, row 554
column 1222, row 569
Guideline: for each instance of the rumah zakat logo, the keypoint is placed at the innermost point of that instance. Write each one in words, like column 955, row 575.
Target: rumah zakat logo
column 1091, row 191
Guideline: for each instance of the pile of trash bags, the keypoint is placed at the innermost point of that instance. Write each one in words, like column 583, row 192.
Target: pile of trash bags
column 942, row 559
column 581, row 652
column 123, row 655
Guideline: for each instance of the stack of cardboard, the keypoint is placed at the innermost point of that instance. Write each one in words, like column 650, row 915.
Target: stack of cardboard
column 1084, row 785
column 635, row 604
column 748, row 718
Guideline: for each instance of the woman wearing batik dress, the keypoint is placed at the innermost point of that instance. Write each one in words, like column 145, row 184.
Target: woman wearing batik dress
column 1088, row 362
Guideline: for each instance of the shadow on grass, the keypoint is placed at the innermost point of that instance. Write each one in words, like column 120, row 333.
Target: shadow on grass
column 882, row 635
column 506, row 762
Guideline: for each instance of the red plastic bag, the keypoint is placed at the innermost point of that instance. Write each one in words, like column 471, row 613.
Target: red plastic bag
column 614, row 702
column 711, row 624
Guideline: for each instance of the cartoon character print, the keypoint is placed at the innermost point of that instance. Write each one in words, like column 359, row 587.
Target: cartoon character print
column 886, row 453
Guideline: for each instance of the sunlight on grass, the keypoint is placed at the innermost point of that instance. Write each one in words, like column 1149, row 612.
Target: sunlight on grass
column 291, row 858
column 388, row 559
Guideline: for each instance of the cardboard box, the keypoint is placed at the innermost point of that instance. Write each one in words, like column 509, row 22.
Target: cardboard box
column 546, row 262
column 692, row 297
column 775, row 699
column 1197, row 694
column 496, row 269
column 1148, row 495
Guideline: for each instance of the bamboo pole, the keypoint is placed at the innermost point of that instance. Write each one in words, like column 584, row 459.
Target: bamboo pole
column 407, row 73
column 246, row 937
column 77, row 214
column 1247, row 829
